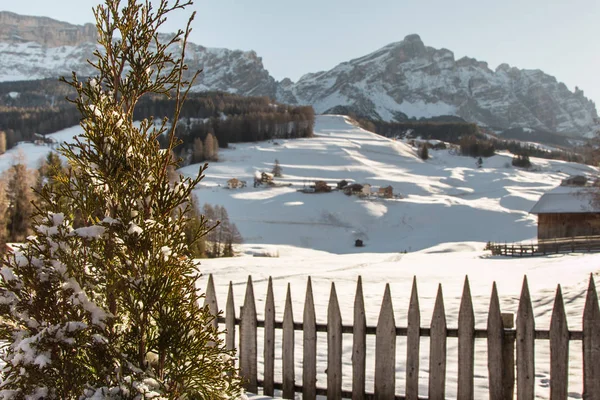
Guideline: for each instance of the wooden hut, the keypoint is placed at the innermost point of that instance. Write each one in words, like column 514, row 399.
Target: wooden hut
column 567, row 212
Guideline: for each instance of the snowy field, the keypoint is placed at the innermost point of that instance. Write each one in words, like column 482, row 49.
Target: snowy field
column 448, row 209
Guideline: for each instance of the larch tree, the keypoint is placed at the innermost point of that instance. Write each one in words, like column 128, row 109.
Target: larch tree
column 215, row 149
column 20, row 197
column 209, row 147
column 2, row 142
column 108, row 308
column 197, row 151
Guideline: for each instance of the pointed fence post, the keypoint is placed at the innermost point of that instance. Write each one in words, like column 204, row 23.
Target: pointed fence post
column 334, row 347
column 508, row 355
column 559, row 350
column 437, row 350
column 211, row 301
column 385, row 350
column 359, row 344
column 495, row 332
column 591, row 344
column 288, row 347
column 248, row 327
column 466, row 344
column 413, row 342
column 309, row 359
column 525, row 346
column 230, row 319
column 269, row 342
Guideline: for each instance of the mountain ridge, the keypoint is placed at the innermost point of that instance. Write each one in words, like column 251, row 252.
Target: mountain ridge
column 402, row 80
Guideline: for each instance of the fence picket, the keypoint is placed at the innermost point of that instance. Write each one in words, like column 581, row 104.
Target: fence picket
column 359, row 344
column 437, row 350
column 334, row 347
column 495, row 333
column 210, row 300
column 248, row 327
column 559, row 349
column 288, row 347
column 413, row 341
column 591, row 344
column 269, row 342
column 466, row 344
column 230, row 319
column 385, row 350
column 525, row 346
column 309, row 359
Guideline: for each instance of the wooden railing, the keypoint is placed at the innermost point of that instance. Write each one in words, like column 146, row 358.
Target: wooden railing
column 507, row 346
column 546, row 246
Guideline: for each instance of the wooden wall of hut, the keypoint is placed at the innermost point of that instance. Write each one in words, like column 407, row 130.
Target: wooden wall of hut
column 563, row 225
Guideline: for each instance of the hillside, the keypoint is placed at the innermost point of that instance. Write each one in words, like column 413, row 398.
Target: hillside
column 446, row 199
column 406, row 79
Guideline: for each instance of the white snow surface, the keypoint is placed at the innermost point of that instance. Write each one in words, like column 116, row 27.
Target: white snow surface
column 445, row 199
column 449, row 208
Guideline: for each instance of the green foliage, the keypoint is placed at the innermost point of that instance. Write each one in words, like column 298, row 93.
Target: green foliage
column 102, row 302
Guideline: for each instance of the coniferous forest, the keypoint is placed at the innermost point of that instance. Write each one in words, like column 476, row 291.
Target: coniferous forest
column 42, row 107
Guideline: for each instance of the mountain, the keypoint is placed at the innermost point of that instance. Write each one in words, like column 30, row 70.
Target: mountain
column 409, row 79
column 39, row 47
column 401, row 80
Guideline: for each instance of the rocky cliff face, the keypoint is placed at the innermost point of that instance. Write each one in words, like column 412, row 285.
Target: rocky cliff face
column 37, row 48
column 15, row 29
column 402, row 80
column 409, row 79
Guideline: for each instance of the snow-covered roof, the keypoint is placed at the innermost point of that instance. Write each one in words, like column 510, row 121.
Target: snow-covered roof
column 568, row 200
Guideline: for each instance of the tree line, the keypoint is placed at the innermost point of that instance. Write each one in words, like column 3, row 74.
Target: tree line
column 20, row 189
column 26, row 109
column 471, row 141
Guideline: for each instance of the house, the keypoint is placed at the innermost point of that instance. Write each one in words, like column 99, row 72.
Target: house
column 386, row 192
column 366, row 190
column 262, row 178
column 235, row 183
column 265, row 177
column 322, row 187
column 354, row 188
column 568, row 211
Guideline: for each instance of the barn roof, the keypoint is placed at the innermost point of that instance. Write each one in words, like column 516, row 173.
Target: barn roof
column 568, row 200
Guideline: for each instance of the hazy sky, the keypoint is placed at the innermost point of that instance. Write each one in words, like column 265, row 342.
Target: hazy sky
column 560, row 37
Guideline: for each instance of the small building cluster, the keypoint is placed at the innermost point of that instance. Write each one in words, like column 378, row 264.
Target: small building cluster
column 235, row 183
column 367, row 190
column 263, row 178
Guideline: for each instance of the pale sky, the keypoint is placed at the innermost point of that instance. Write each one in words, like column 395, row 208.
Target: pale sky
column 560, row 37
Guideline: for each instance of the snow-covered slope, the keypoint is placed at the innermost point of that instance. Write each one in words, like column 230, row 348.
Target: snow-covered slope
column 445, row 199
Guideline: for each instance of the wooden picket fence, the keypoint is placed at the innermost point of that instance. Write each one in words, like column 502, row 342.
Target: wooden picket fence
column 502, row 341
column 589, row 244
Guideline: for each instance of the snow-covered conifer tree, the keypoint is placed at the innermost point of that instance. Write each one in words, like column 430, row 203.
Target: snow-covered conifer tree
column 102, row 302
